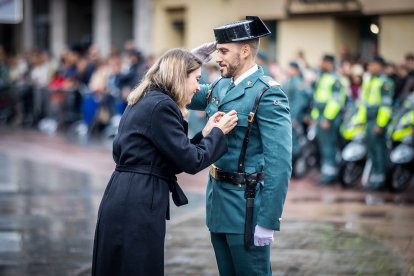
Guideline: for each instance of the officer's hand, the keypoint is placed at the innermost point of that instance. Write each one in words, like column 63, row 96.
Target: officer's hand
column 204, row 51
column 378, row 130
column 325, row 124
column 212, row 122
column 263, row 236
column 228, row 121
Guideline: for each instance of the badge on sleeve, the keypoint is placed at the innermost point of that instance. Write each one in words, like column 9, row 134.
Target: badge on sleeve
column 277, row 102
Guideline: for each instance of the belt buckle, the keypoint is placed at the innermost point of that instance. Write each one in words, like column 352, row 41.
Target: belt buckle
column 213, row 171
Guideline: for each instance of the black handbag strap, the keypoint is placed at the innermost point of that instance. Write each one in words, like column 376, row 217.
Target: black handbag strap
column 249, row 129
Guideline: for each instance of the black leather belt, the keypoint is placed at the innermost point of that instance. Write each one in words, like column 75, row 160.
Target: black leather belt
column 178, row 196
column 239, row 179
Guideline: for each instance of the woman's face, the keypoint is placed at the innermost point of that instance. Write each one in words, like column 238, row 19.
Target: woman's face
column 192, row 85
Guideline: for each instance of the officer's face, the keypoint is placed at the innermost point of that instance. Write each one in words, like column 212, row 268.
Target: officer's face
column 292, row 71
column 192, row 84
column 374, row 68
column 228, row 58
column 326, row 66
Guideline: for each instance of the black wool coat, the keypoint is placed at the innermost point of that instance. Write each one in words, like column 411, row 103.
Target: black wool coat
column 150, row 148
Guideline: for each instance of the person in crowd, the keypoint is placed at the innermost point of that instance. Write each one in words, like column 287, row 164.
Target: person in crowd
column 376, row 103
column 98, row 104
column 328, row 99
column 408, row 86
column 357, row 72
column 299, row 95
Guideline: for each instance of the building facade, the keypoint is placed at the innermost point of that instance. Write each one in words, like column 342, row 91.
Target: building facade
column 54, row 25
column 362, row 27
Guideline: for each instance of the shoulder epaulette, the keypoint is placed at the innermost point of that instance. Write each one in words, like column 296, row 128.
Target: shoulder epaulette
column 269, row 81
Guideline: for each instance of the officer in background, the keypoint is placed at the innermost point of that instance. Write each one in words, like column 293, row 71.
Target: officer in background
column 299, row 95
column 329, row 99
column 375, row 106
column 247, row 187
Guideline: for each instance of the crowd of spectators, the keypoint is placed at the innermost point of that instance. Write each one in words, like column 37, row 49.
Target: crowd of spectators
column 83, row 86
column 80, row 86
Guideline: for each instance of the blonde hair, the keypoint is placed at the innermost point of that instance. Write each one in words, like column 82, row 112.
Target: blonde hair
column 168, row 73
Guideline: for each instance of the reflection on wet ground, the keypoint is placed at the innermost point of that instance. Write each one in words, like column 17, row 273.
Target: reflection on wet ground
column 47, row 217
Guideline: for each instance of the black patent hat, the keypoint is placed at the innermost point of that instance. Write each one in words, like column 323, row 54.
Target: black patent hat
column 251, row 28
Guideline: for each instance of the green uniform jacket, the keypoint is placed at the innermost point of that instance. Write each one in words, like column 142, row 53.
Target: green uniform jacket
column 269, row 150
column 299, row 97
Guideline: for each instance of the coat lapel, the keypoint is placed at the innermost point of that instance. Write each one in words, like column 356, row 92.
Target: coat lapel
column 239, row 90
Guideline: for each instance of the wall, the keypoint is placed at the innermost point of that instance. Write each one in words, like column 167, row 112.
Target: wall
column 396, row 36
column 314, row 35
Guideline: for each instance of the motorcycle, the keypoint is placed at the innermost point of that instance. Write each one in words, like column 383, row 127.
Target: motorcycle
column 402, row 159
column 353, row 163
column 402, row 154
column 306, row 155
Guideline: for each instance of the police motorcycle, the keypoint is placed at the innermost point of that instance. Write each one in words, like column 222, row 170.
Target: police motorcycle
column 402, row 154
column 354, row 155
column 311, row 152
column 300, row 153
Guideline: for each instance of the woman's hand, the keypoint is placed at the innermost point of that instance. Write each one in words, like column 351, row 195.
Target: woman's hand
column 228, row 121
column 212, row 122
column 225, row 121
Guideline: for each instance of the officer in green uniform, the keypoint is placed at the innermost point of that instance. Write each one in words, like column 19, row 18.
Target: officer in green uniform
column 328, row 98
column 376, row 102
column 247, row 187
column 299, row 95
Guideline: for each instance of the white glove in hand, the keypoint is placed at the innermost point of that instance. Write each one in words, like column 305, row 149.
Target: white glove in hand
column 203, row 52
column 263, row 236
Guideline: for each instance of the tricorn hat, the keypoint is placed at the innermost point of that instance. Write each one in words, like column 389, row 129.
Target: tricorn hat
column 251, row 28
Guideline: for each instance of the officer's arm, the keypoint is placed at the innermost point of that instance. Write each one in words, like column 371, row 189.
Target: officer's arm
column 384, row 111
column 199, row 101
column 334, row 105
column 273, row 118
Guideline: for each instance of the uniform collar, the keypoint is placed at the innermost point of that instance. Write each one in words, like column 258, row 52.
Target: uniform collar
column 245, row 83
column 246, row 74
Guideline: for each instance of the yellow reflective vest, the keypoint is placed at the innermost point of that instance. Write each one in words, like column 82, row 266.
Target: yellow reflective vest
column 405, row 127
column 377, row 94
column 329, row 92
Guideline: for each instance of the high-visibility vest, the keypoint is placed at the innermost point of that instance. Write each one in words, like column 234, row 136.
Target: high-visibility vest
column 329, row 91
column 405, row 127
column 377, row 93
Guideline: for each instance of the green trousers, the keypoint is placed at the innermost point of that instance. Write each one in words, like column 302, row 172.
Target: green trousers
column 328, row 148
column 233, row 259
column 378, row 153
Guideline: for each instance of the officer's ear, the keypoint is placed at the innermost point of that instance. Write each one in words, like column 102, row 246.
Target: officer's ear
column 245, row 50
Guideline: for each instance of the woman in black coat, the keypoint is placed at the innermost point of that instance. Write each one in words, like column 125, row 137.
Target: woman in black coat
column 150, row 149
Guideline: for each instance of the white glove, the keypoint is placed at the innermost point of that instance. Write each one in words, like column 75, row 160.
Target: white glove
column 204, row 51
column 263, row 236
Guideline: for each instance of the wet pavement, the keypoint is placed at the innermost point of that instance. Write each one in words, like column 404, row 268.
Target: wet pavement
column 50, row 190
